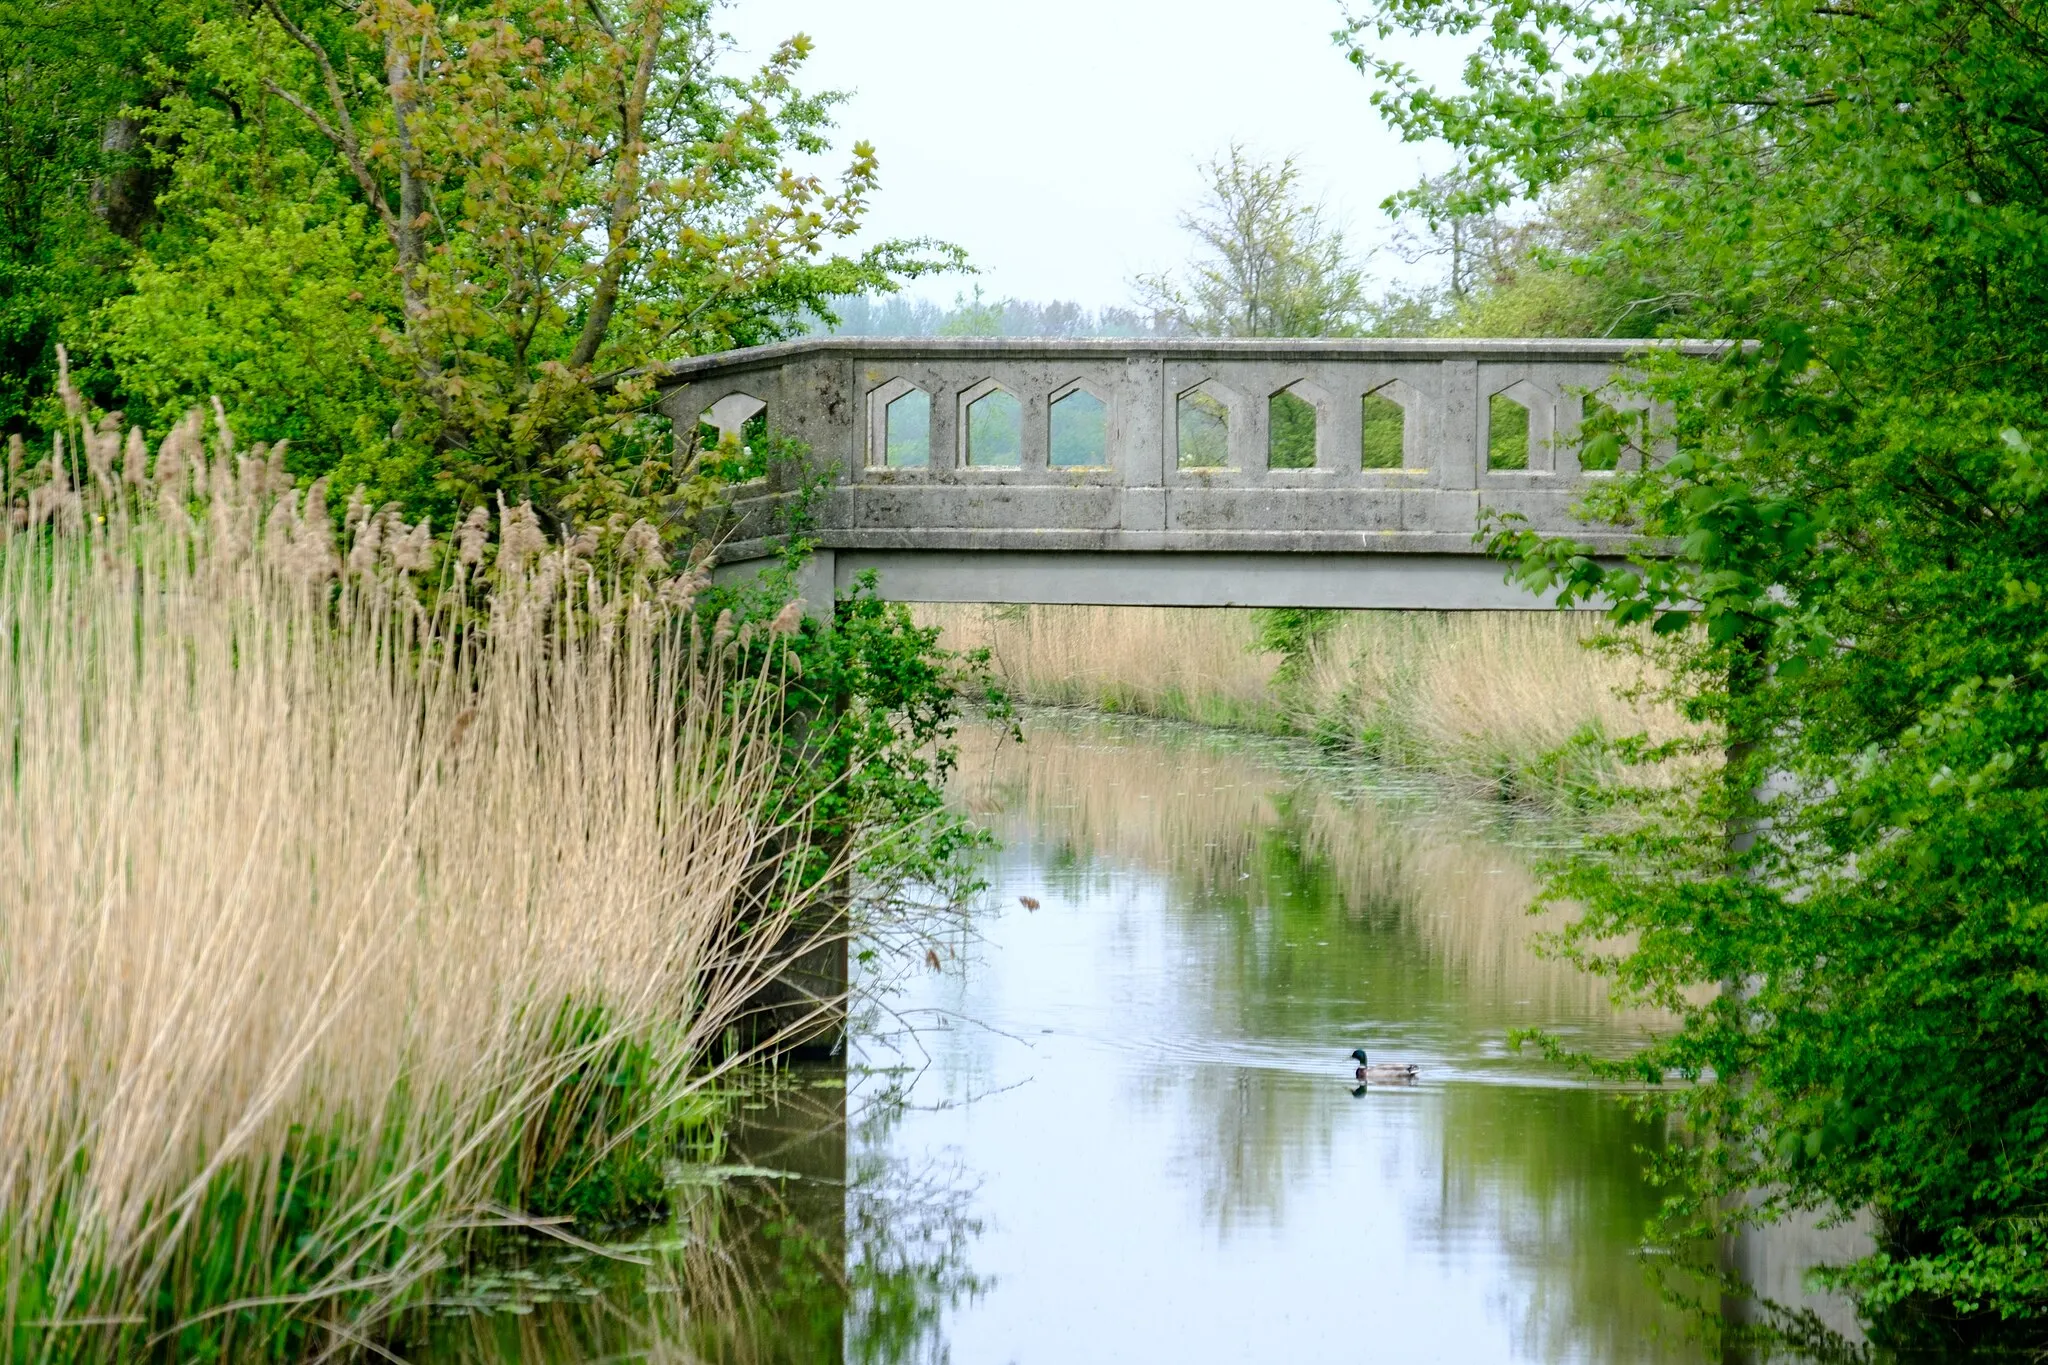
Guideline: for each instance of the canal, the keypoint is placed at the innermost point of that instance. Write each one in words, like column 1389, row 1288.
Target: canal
column 1109, row 1114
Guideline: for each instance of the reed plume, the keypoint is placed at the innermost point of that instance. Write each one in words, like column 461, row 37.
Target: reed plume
column 328, row 901
column 1483, row 697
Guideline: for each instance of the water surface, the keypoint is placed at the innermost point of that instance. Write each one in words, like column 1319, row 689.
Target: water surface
column 1123, row 1125
column 1146, row 1077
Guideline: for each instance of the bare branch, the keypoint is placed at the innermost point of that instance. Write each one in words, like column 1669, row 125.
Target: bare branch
column 320, row 125
column 398, row 80
column 604, row 21
column 342, row 133
column 604, row 299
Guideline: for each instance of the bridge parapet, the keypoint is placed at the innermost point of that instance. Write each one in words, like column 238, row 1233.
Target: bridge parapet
column 942, row 446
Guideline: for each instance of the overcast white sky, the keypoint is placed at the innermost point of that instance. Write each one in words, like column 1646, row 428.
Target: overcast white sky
column 1056, row 139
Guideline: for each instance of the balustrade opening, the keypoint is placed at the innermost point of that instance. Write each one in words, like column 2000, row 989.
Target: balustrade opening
column 995, row 431
column 1603, row 431
column 1290, row 431
column 1382, row 433
column 740, row 417
column 1079, row 431
column 907, row 439
column 1202, row 431
column 1507, row 433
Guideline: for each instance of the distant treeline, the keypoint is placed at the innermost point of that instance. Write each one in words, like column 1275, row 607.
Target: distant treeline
column 973, row 316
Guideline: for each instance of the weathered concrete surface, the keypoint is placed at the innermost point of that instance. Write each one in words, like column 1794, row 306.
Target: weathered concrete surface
column 1406, row 582
column 1137, row 525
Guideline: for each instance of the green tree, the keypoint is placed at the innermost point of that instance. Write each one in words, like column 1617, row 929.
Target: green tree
column 1268, row 262
column 1539, row 269
column 1445, row 220
column 76, row 177
column 1846, row 559
column 451, row 242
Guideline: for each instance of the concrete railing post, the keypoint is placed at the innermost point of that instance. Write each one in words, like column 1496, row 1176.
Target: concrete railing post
column 1457, row 456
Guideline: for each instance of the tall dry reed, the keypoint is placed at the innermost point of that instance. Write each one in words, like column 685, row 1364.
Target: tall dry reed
column 1483, row 696
column 1490, row 694
column 327, row 920
column 1182, row 664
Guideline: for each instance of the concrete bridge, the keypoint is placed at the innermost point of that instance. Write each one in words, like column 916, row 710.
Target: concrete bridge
column 1177, row 472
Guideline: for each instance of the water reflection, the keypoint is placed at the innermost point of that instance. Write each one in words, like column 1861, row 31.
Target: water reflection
column 912, row 1225
column 751, row 1269
column 1549, row 1178
column 1173, row 1164
column 1121, row 1125
column 1211, row 815
column 781, row 1253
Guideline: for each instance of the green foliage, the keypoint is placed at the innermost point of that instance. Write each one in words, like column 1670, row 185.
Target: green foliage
column 1507, row 434
column 595, row 1147
column 1604, row 432
column 872, row 704
column 1292, row 633
column 1383, row 430
column 724, row 461
column 431, row 248
column 76, row 180
column 1844, row 561
column 1290, row 432
column 268, row 315
column 1537, row 270
column 1269, row 264
column 288, row 1207
column 1531, row 300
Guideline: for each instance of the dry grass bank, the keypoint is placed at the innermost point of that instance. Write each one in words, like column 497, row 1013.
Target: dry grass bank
column 327, row 931
column 1482, row 696
column 1192, row 665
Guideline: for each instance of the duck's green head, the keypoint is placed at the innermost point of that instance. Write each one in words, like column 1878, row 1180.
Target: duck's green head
column 1358, row 1055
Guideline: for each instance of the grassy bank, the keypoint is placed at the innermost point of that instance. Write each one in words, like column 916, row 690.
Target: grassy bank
column 338, row 925
column 1489, row 699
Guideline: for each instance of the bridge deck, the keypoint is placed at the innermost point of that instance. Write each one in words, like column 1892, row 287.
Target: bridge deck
column 1189, row 472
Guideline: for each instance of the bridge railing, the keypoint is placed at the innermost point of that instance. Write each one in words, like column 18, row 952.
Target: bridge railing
column 1149, row 445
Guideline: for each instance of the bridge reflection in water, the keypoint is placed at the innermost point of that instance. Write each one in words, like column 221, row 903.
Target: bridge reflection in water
column 1302, row 473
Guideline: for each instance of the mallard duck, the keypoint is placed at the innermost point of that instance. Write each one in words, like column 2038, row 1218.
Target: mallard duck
column 1384, row 1072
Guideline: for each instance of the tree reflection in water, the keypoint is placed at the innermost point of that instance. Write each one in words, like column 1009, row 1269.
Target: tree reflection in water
column 1246, row 912
column 1134, row 1100
column 819, row 1263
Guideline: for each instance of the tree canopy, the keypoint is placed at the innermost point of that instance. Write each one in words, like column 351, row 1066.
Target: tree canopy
column 428, row 246
column 1268, row 260
column 1845, row 554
